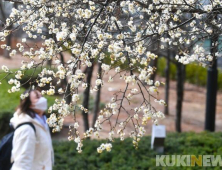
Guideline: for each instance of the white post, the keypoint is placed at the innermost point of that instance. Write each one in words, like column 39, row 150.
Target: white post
column 158, row 137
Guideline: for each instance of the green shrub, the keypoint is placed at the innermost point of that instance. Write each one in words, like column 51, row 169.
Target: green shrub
column 4, row 122
column 220, row 79
column 161, row 68
column 195, row 74
column 125, row 157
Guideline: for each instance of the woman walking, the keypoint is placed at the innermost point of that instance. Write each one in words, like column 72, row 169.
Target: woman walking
column 32, row 147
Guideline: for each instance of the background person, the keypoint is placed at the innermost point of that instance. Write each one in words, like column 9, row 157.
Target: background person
column 32, row 150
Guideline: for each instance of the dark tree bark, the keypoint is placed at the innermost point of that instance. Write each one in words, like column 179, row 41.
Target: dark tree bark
column 86, row 96
column 211, row 96
column 154, row 64
column 155, row 50
column 49, row 63
column 9, row 37
column 97, row 99
column 65, row 82
column 180, row 94
column 62, row 58
column 167, row 84
column 8, row 43
column 67, row 94
column 2, row 12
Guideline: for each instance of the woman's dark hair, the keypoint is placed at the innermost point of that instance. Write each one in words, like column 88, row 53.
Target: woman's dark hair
column 25, row 104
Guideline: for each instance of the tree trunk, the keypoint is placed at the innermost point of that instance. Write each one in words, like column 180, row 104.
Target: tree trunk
column 9, row 37
column 3, row 16
column 154, row 64
column 62, row 58
column 49, row 63
column 97, row 99
column 8, row 43
column 86, row 97
column 180, row 93
column 65, row 82
column 167, row 84
column 211, row 97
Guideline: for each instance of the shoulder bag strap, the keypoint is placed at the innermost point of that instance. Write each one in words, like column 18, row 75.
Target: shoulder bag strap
column 26, row 123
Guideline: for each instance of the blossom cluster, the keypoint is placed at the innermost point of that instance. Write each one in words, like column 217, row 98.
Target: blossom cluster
column 124, row 36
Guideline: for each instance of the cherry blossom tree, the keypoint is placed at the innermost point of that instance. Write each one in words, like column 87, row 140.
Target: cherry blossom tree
column 122, row 30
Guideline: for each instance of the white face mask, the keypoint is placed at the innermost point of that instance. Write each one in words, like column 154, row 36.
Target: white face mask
column 41, row 104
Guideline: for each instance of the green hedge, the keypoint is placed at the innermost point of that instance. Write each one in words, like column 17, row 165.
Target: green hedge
column 125, row 157
column 161, row 65
column 195, row 74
